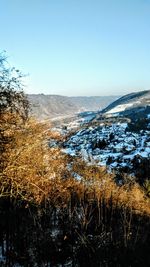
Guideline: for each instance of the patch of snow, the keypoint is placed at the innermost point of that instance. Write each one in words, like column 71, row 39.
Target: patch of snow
column 114, row 164
column 77, row 176
column 119, row 108
column 69, row 151
column 143, row 154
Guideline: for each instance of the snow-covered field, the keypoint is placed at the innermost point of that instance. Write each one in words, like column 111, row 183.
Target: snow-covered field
column 119, row 108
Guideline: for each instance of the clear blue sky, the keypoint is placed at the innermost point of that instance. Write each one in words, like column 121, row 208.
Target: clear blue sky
column 78, row 47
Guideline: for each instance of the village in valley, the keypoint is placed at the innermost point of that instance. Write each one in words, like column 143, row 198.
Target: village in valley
column 108, row 142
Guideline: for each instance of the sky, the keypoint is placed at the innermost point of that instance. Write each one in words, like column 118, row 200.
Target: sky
column 78, row 47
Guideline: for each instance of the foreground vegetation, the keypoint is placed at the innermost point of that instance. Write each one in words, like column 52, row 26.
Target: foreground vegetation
column 47, row 217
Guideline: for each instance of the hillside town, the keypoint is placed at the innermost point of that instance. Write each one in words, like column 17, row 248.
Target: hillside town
column 114, row 146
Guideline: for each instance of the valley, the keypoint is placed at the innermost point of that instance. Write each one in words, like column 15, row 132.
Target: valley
column 118, row 139
column 75, row 187
column 46, row 107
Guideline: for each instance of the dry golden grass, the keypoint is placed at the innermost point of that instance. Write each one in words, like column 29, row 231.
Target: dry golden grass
column 34, row 172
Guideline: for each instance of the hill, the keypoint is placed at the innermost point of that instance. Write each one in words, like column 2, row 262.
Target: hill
column 131, row 105
column 50, row 106
column 53, row 106
column 93, row 103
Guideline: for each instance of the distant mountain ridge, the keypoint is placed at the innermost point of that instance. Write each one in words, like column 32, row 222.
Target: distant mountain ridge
column 50, row 106
column 53, row 106
column 93, row 103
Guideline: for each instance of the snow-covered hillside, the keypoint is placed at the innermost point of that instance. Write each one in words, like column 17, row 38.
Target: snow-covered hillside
column 130, row 104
